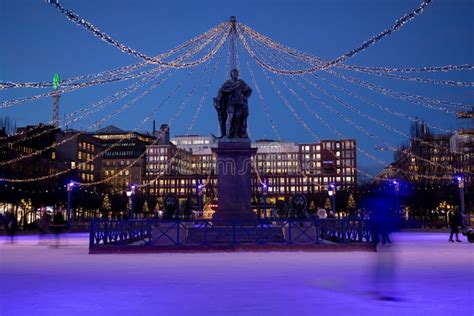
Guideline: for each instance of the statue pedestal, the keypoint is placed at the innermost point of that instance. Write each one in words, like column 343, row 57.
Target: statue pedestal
column 234, row 189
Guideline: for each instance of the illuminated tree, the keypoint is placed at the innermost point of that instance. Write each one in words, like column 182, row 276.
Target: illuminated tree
column 106, row 206
column 327, row 205
column 351, row 204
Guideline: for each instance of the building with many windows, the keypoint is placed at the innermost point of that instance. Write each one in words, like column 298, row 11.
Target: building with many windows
column 286, row 167
column 82, row 153
column 123, row 161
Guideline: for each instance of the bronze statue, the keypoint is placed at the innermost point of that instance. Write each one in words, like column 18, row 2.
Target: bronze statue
column 232, row 108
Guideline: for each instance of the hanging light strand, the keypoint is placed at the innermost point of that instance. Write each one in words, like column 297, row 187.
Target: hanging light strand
column 93, row 126
column 206, row 91
column 212, row 33
column 428, row 103
column 72, row 118
column 313, row 60
column 75, row 18
column 63, row 90
column 348, row 120
column 262, row 101
column 424, row 101
column 365, row 45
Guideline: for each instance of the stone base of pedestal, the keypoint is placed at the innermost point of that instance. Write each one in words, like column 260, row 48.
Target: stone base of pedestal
column 234, row 235
column 234, row 191
column 242, row 218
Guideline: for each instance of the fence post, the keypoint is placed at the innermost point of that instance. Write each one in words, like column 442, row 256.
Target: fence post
column 316, row 227
column 177, row 232
column 205, row 231
column 344, row 230
column 91, row 235
column 233, row 233
column 289, row 232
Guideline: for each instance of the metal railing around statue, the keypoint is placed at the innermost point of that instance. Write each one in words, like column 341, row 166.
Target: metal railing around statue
column 185, row 234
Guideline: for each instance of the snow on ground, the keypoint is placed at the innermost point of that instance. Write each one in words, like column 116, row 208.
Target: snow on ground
column 431, row 277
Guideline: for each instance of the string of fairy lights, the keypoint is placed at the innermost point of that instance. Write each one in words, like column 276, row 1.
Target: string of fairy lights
column 358, row 127
column 75, row 18
column 362, row 47
column 211, row 33
column 94, row 126
column 311, row 59
column 86, row 111
column 206, row 91
column 84, row 114
column 174, row 91
column 142, row 156
column 381, row 107
column 352, row 123
column 116, row 78
column 429, row 103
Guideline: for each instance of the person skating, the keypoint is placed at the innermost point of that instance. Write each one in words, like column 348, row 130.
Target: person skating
column 455, row 220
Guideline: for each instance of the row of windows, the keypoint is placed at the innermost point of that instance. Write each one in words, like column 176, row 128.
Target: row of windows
column 155, row 150
column 86, row 146
column 83, row 156
column 120, row 172
column 87, row 177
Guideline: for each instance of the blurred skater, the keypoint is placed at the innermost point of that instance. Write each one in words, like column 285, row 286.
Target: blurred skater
column 455, row 220
column 57, row 226
column 43, row 227
column 382, row 222
column 11, row 225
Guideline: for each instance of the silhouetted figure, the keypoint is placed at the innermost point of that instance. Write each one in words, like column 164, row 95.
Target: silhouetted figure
column 382, row 221
column 57, row 226
column 11, row 225
column 43, row 226
column 455, row 220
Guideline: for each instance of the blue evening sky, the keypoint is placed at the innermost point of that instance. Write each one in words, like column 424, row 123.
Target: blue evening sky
column 37, row 41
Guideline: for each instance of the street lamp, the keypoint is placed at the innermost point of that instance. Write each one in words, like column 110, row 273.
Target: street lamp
column 396, row 186
column 199, row 188
column 70, row 187
column 332, row 196
column 460, row 180
column 131, row 195
column 265, row 193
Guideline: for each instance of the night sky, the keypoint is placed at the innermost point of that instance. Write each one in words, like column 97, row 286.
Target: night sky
column 37, row 41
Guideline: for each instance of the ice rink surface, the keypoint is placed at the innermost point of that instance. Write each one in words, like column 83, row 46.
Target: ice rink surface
column 420, row 274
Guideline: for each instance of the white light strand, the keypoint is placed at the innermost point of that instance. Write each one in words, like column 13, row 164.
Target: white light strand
column 201, row 101
column 395, row 27
column 117, row 96
column 262, row 101
column 63, row 90
column 423, row 101
column 313, row 60
column 346, row 119
column 421, row 80
column 73, row 17
column 93, row 126
column 84, row 112
column 211, row 33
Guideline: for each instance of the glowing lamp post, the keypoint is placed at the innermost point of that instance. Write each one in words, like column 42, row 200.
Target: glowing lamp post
column 70, row 187
column 199, row 191
column 332, row 196
column 396, row 186
column 265, row 193
column 460, row 181
column 131, row 195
